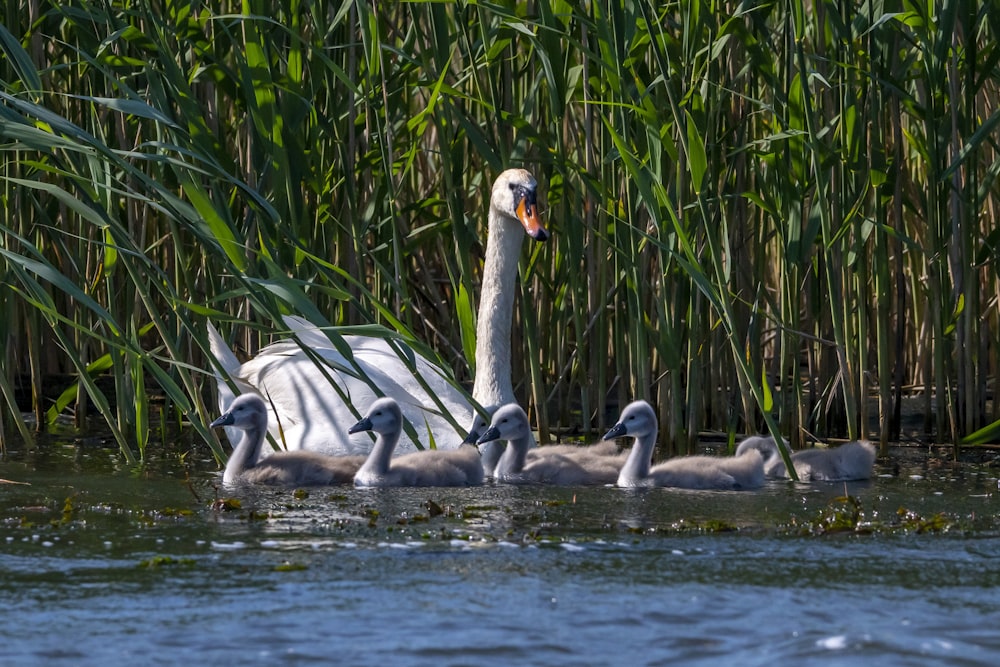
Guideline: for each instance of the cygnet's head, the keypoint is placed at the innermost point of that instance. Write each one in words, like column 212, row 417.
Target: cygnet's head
column 248, row 410
column 514, row 195
column 636, row 420
column 382, row 417
column 479, row 424
column 508, row 423
column 765, row 444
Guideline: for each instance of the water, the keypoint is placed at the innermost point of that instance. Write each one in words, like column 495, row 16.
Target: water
column 138, row 568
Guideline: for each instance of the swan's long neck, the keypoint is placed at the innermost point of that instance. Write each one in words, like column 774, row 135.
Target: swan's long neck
column 636, row 466
column 496, row 310
column 377, row 463
column 247, row 451
column 512, row 461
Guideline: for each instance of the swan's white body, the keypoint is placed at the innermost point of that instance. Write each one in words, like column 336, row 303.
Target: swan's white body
column 248, row 413
column 638, row 421
column 310, row 414
column 850, row 461
column 554, row 464
column 432, row 467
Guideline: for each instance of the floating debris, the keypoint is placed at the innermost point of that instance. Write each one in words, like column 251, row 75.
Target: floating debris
column 226, row 504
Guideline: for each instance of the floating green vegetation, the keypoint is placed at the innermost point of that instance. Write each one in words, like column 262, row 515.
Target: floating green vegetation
column 406, row 519
column 176, row 512
column 683, row 526
column 290, row 567
column 300, row 494
column 67, row 515
column 713, row 526
column 165, row 561
column 845, row 515
column 235, row 505
column 444, row 534
column 842, row 514
column 469, row 509
column 68, row 511
column 936, row 523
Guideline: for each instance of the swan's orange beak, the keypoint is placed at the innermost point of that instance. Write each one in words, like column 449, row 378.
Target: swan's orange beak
column 527, row 213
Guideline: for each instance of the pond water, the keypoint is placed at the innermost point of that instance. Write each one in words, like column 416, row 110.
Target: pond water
column 103, row 565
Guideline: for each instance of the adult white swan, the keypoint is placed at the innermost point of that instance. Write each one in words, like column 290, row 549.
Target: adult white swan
column 638, row 420
column 312, row 414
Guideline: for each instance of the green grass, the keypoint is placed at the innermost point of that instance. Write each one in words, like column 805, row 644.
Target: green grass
column 763, row 214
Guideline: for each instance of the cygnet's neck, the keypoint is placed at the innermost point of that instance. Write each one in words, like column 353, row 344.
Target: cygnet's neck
column 246, row 452
column 636, row 466
column 377, row 462
column 496, row 310
column 768, row 451
column 512, row 460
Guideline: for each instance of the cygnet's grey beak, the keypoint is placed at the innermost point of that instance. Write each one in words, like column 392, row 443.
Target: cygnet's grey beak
column 492, row 433
column 471, row 438
column 363, row 425
column 617, row 431
column 224, row 420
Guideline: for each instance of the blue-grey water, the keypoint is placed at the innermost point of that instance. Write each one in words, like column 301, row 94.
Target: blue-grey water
column 103, row 565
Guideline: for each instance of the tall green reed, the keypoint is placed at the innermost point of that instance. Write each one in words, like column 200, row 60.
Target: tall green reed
column 763, row 215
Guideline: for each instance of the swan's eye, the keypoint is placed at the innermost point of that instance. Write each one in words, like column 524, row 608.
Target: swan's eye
column 519, row 191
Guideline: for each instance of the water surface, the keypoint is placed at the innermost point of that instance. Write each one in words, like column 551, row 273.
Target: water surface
column 103, row 565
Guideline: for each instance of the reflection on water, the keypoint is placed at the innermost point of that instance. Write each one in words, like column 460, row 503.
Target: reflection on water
column 100, row 564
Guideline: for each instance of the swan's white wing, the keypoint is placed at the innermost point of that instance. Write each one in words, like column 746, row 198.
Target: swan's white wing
column 430, row 402
column 310, row 334
column 225, row 359
column 381, row 362
column 313, row 414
